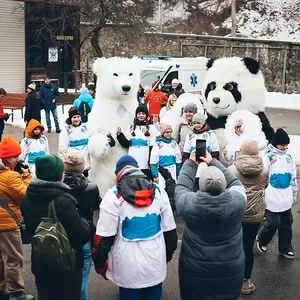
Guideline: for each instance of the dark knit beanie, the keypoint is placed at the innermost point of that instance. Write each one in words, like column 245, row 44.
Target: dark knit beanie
column 91, row 87
column 280, row 137
column 141, row 108
column 124, row 161
column 49, row 168
column 74, row 111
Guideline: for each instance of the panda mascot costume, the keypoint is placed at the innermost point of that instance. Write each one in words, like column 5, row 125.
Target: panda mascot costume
column 232, row 84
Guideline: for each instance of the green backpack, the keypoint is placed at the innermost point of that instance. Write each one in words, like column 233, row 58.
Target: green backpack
column 51, row 248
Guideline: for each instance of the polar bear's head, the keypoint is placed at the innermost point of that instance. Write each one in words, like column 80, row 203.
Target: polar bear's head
column 117, row 78
column 234, row 83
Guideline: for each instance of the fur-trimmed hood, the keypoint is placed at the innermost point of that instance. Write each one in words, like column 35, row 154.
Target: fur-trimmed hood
column 252, row 129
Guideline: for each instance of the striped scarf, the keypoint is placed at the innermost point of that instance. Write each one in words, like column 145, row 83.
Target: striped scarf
column 135, row 187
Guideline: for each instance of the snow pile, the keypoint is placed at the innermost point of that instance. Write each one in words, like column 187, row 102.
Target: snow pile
column 294, row 148
column 279, row 100
column 271, row 18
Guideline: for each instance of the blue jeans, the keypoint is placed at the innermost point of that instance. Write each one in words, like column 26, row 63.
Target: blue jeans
column 87, row 264
column 150, row 293
column 48, row 121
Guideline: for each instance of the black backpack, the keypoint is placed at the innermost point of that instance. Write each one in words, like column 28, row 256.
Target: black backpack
column 51, row 248
column 84, row 109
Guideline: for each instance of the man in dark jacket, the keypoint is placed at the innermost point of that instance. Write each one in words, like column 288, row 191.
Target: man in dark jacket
column 211, row 263
column 41, row 191
column 33, row 105
column 88, row 199
column 50, row 94
column 176, row 88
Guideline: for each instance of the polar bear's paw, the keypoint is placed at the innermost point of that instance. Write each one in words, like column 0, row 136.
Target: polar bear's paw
column 98, row 146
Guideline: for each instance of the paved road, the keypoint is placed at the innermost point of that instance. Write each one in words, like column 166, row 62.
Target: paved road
column 275, row 277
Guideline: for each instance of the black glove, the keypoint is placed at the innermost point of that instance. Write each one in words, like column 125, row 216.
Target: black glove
column 18, row 167
column 111, row 142
column 165, row 173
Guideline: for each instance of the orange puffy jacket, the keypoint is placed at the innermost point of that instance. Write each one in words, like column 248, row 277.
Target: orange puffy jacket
column 12, row 189
column 155, row 99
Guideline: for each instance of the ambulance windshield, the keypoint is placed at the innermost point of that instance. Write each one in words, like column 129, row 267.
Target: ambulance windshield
column 149, row 76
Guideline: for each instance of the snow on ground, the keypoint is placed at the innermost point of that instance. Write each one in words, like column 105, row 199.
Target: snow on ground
column 18, row 121
column 274, row 100
column 285, row 101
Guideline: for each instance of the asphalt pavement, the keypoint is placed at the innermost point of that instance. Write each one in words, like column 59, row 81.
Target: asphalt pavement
column 276, row 278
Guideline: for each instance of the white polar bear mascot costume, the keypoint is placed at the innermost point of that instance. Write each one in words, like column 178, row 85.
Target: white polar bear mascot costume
column 116, row 100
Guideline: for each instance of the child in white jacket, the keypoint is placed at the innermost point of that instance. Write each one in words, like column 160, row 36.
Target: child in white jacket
column 280, row 195
column 74, row 137
column 165, row 153
column 141, row 138
column 34, row 144
column 200, row 131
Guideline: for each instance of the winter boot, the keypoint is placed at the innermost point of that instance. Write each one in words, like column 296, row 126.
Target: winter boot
column 248, row 287
column 4, row 295
column 20, row 296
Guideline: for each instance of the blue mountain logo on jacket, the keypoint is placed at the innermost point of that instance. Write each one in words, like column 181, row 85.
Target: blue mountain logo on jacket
column 141, row 228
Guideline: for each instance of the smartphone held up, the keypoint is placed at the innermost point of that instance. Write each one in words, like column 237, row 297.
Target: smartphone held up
column 200, row 149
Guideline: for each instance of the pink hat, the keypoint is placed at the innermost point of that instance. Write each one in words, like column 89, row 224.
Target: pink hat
column 164, row 127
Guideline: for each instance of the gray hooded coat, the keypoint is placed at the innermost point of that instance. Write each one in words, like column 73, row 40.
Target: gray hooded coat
column 211, row 263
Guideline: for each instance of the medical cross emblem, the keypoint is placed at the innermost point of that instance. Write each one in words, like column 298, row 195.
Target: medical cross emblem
column 194, row 80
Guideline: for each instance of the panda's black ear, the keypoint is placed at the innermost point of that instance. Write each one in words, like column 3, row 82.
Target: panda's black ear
column 251, row 64
column 210, row 63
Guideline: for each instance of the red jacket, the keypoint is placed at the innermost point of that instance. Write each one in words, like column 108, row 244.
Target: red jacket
column 3, row 115
column 155, row 99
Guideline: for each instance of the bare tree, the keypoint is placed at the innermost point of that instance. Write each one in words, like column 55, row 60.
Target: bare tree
column 206, row 16
column 89, row 17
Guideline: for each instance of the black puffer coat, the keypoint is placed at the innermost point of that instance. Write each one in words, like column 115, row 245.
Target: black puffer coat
column 33, row 107
column 177, row 91
column 85, row 192
column 212, row 260
column 34, row 207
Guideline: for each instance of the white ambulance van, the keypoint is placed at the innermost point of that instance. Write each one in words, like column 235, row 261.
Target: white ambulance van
column 190, row 71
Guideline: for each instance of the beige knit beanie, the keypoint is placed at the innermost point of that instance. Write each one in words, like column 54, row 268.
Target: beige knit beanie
column 74, row 162
column 249, row 148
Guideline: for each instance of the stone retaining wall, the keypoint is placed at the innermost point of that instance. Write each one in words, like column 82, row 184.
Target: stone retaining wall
column 280, row 60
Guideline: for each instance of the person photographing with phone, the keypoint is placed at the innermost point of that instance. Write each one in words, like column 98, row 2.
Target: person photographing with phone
column 201, row 139
column 212, row 260
column 13, row 186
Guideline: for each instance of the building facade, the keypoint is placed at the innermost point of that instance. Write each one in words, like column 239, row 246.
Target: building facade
column 12, row 46
column 29, row 52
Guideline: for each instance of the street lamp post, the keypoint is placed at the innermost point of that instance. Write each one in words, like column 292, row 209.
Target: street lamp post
column 160, row 14
column 233, row 17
